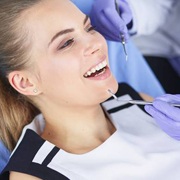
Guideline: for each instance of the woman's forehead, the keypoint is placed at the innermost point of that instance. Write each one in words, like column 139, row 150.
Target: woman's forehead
column 59, row 9
column 53, row 14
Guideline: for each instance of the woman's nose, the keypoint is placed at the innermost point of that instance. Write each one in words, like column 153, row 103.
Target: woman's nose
column 92, row 47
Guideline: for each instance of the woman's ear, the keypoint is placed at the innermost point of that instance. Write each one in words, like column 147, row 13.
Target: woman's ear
column 23, row 82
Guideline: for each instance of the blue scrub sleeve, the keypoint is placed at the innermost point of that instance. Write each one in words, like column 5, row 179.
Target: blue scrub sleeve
column 135, row 71
column 4, row 156
column 84, row 5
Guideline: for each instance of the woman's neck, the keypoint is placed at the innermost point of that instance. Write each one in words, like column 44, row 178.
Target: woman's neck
column 78, row 132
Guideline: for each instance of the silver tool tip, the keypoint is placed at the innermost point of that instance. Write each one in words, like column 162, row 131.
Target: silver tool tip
column 112, row 94
column 126, row 57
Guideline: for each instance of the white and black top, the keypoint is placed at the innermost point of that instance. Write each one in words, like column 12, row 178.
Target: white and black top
column 137, row 150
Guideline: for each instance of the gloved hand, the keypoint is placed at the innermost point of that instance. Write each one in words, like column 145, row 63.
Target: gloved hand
column 107, row 21
column 166, row 116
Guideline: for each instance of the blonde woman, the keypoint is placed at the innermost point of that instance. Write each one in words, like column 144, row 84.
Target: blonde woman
column 55, row 118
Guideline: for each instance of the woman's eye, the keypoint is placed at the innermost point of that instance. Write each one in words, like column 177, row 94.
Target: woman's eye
column 66, row 44
column 92, row 28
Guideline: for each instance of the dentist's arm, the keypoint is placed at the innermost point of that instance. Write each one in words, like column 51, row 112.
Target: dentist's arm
column 147, row 16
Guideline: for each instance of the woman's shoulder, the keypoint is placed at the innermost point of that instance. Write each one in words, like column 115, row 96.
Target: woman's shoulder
column 23, row 154
column 31, row 157
column 17, row 176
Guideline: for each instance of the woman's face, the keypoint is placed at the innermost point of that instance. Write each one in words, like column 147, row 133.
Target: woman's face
column 70, row 56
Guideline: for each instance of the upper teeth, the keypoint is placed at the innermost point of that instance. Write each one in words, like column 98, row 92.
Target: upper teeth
column 96, row 68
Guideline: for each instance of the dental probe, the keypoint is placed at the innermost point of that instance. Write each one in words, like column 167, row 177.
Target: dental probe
column 121, row 35
column 138, row 102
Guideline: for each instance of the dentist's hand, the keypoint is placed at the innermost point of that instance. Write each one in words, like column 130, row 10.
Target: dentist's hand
column 166, row 116
column 108, row 22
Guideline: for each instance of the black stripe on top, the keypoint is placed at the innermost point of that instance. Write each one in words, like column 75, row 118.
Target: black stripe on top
column 50, row 156
column 113, row 110
column 125, row 89
column 21, row 160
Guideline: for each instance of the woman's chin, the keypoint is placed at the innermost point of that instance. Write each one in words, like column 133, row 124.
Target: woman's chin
column 113, row 85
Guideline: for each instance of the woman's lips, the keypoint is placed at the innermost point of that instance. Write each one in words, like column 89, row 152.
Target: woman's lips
column 102, row 75
column 96, row 69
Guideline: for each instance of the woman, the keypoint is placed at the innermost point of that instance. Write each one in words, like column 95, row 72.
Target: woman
column 56, row 64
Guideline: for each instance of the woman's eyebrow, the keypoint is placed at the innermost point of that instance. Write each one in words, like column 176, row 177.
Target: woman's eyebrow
column 60, row 33
column 66, row 31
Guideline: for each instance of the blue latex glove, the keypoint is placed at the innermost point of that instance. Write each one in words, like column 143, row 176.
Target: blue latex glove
column 108, row 22
column 166, row 116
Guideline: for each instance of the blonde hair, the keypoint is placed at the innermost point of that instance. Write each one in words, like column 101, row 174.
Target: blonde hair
column 15, row 109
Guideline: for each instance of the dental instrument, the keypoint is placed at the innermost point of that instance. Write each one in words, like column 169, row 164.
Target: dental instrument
column 137, row 102
column 121, row 35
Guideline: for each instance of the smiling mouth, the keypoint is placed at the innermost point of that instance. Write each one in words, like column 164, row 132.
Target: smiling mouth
column 97, row 70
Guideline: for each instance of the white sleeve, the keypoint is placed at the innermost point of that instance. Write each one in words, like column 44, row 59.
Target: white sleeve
column 148, row 15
